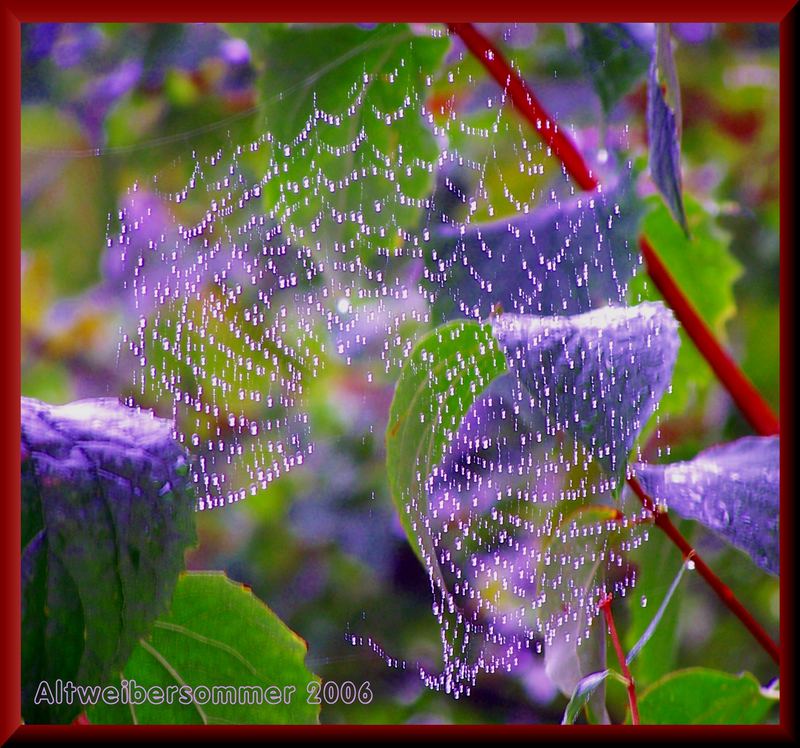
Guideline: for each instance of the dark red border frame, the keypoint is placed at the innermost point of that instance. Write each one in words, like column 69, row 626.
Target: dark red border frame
column 15, row 12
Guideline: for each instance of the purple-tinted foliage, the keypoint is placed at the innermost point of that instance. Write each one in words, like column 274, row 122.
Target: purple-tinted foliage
column 693, row 33
column 140, row 58
column 599, row 375
column 138, row 256
column 562, row 259
column 644, row 33
column 240, row 74
column 74, row 43
column 664, row 153
column 100, row 95
column 493, row 440
column 40, row 39
column 155, row 227
column 103, row 430
column 514, row 36
column 153, row 254
column 200, row 42
column 733, row 489
column 107, row 512
column 361, row 331
column 534, row 679
column 334, row 509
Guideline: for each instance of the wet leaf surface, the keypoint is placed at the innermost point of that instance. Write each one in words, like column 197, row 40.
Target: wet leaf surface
column 598, row 375
column 732, row 489
column 107, row 515
column 189, row 648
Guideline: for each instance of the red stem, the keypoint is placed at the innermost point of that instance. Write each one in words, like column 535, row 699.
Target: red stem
column 725, row 594
column 526, row 102
column 746, row 397
column 605, row 606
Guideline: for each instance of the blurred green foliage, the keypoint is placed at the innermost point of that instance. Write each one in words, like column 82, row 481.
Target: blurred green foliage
column 106, row 106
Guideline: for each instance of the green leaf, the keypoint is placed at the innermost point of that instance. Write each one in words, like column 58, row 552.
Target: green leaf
column 320, row 67
column 613, row 59
column 444, row 374
column 220, row 636
column 107, row 512
column 705, row 270
column 761, row 343
column 345, row 107
column 699, row 696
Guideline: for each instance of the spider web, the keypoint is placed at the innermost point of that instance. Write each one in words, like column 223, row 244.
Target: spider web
column 343, row 241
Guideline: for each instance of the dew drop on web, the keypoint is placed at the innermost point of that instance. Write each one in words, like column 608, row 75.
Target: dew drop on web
column 247, row 282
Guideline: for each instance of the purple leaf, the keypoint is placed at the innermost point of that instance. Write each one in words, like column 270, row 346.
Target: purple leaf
column 563, row 259
column 733, row 489
column 598, row 375
column 107, row 512
column 664, row 152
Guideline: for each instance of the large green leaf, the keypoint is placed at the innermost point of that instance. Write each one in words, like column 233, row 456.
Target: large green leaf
column 107, row 513
column 344, row 105
column 444, row 374
column 699, row 696
column 705, row 271
column 217, row 634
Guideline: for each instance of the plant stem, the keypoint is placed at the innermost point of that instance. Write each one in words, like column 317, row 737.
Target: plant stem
column 725, row 594
column 526, row 102
column 605, row 606
column 746, row 397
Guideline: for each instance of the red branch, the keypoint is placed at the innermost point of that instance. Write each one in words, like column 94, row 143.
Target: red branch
column 605, row 606
column 741, row 390
column 664, row 523
column 526, row 102
column 746, row 397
